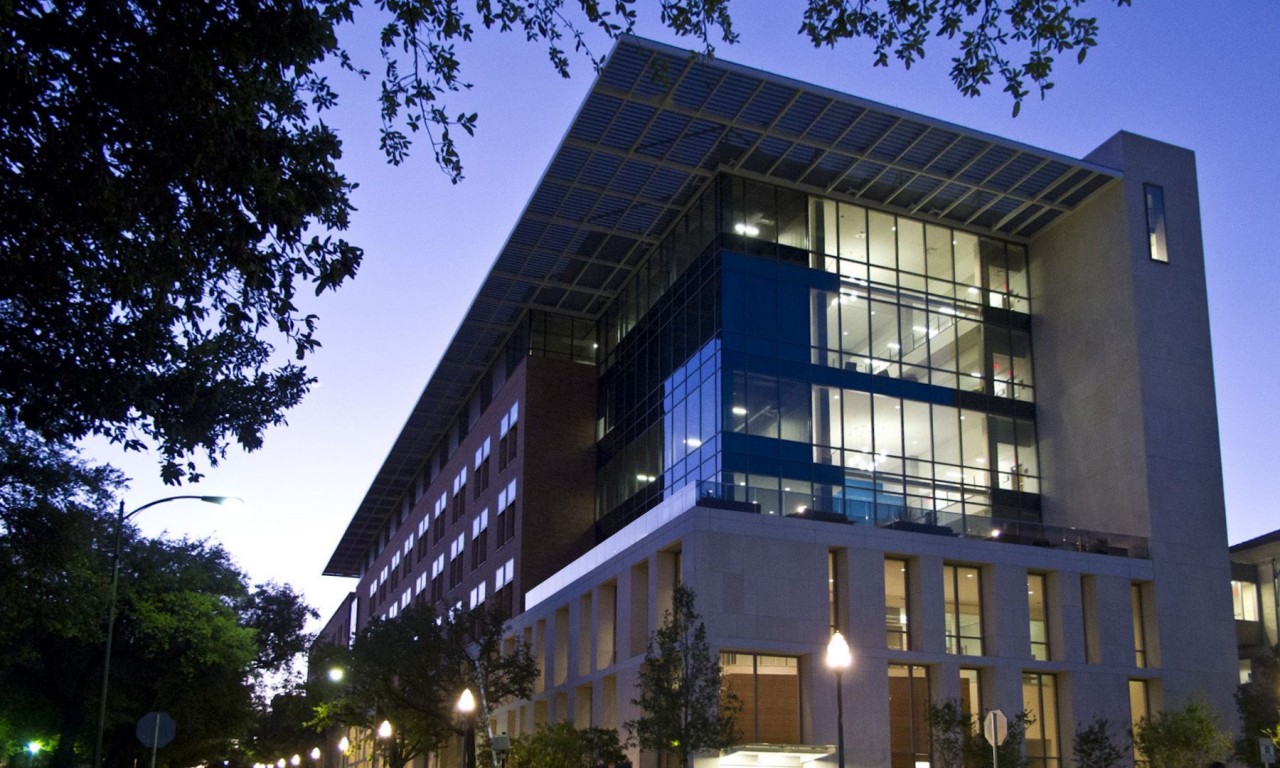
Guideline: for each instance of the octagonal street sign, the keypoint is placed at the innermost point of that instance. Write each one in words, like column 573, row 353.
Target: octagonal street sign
column 995, row 726
column 156, row 729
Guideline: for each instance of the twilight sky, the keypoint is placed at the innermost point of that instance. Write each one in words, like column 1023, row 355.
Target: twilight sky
column 1181, row 71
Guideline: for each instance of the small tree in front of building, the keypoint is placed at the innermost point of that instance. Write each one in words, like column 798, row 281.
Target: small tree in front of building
column 950, row 729
column 409, row 671
column 956, row 739
column 684, row 708
column 1258, row 703
column 1094, row 746
column 1189, row 737
column 563, row 746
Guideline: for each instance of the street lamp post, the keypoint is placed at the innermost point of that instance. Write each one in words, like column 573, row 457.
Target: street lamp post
column 839, row 658
column 383, row 733
column 121, row 519
column 467, row 706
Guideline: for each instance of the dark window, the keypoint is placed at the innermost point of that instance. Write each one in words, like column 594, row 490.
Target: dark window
column 479, row 549
column 503, row 599
column 455, row 571
column 459, row 503
column 482, row 477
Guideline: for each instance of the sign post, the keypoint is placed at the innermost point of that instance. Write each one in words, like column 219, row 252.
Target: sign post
column 155, row 730
column 1267, row 750
column 995, row 726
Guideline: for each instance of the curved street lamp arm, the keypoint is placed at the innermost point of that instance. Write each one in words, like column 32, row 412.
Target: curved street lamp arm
column 121, row 517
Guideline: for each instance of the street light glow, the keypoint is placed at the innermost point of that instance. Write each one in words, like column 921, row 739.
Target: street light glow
column 344, row 744
column 466, row 702
column 384, row 730
column 336, row 674
column 295, row 760
column 839, row 657
column 315, row 753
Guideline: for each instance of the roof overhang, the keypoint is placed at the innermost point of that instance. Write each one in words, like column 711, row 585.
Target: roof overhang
column 660, row 122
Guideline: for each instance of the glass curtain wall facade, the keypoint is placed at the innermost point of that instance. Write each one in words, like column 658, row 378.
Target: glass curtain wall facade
column 802, row 355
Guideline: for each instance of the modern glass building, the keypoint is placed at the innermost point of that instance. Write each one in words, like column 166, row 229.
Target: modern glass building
column 834, row 366
column 829, row 359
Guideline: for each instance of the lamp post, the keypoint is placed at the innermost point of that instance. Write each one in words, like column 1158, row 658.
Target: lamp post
column 344, row 745
column 467, row 707
column 121, row 518
column 839, row 658
column 379, row 745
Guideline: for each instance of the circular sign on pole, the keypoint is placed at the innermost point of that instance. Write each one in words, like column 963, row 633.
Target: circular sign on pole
column 156, row 729
column 995, row 726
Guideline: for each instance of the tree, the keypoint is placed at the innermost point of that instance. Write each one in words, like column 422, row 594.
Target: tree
column 410, row 670
column 497, row 676
column 950, row 731
column 1182, row 738
column 167, row 189
column 398, row 670
column 993, row 35
column 1094, row 747
column 684, row 708
column 164, row 191
column 563, row 746
column 956, row 740
column 281, row 728
column 192, row 637
column 53, row 583
column 1258, row 703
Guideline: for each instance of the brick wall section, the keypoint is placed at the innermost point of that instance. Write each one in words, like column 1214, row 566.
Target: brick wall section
column 338, row 628
column 554, row 471
column 557, row 511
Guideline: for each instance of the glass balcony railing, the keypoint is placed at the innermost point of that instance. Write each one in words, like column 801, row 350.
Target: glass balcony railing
column 908, row 517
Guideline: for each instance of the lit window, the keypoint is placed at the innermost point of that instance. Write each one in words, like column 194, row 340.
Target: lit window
column 1040, row 700
column 1038, row 615
column 908, row 718
column 971, row 694
column 1244, row 600
column 1136, row 598
column 769, row 689
column 1157, row 242
column 1139, row 710
column 895, row 605
column 962, row 592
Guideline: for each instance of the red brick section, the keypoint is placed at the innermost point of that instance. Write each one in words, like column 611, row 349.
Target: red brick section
column 339, row 626
column 558, row 464
column 554, row 469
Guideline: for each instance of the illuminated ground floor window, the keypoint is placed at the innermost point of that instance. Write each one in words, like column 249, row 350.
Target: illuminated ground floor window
column 971, row 695
column 1139, row 710
column 769, row 689
column 908, row 715
column 1040, row 699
